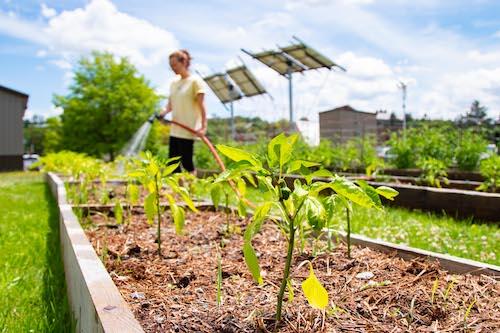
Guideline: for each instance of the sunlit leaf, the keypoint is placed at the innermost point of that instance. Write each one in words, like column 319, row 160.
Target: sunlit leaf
column 242, row 208
column 150, row 207
column 387, row 192
column 118, row 210
column 216, row 194
column 252, row 262
column 370, row 191
column 351, row 191
column 315, row 293
column 298, row 164
column 237, row 155
column 289, row 287
column 133, row 194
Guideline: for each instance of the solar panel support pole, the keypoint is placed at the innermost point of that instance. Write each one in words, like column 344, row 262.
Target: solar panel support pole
column 233, row 129
column 290, row 93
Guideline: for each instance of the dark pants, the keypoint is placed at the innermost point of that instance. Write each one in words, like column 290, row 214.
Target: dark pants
column 184, row 149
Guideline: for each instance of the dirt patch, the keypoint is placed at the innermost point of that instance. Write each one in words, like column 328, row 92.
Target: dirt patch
column 177, row 292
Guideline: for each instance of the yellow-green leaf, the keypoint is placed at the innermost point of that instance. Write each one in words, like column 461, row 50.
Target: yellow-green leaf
column 313, row 290
column 118, row 212
column 252, row 262
column 150, row 207
column 387, row 192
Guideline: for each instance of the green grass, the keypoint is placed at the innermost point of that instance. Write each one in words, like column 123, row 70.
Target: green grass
column 33, row 293
column 428, row 231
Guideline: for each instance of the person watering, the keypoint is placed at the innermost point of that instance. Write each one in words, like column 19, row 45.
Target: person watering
column 186, row 102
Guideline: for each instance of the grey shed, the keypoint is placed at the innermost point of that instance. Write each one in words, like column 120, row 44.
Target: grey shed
column 12, row 106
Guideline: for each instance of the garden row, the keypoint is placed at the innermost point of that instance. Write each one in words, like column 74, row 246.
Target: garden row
column 188, row 275
column 439, row 153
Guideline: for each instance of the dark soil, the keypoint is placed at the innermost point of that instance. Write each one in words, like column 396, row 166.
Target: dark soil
column 177, row 292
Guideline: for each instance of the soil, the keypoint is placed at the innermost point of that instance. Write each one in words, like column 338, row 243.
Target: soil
column 177, row 292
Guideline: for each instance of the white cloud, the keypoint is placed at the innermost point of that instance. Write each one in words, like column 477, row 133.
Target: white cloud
column 100, row 26
column 47, row 12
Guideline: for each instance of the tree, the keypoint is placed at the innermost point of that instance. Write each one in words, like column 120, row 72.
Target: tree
column 107, row 103
column 52, row 135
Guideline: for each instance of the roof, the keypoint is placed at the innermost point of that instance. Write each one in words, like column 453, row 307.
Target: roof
column 347, row 108
column 12, row 91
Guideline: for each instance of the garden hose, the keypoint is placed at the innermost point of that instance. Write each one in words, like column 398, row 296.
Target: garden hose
column 214, row 153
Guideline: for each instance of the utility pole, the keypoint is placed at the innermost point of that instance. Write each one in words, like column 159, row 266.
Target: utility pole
column 403, row 86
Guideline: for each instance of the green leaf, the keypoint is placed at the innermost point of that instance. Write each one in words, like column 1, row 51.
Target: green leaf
column 314, row 212
column 252, row 262
column 258, row 218
column 322, row 173
column 237, row 155
column 387, row 192
column 118, row 210
column 370, row 191
column 350, row 191
column 150, row 207
column 315, row 293
column 298, row 164
column 280, row 150
column 169, row 169
column 179, row 218
column 242, row 208
column 216, row 193
column 133, row 193
column 242, row 186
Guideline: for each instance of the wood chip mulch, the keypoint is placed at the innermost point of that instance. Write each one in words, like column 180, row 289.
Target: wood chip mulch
column 177, row 293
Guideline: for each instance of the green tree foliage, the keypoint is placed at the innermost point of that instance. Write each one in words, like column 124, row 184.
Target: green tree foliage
column 52, row 135
column 108, row 101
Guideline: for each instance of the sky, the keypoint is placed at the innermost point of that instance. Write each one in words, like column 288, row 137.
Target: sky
column 447, row 52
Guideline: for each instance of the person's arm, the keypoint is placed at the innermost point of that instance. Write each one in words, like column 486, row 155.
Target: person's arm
column 168, row 109
column 200, row 101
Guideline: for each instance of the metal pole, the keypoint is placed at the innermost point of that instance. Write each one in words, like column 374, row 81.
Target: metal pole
column 290, row 93
column 403, row 88
column 233, row 129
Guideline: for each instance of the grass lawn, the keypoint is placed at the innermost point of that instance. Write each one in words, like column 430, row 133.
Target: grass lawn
column 428, row 231
column 33, row 292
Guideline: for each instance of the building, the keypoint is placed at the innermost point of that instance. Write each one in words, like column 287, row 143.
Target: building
column 385, row 127
column 344, row 123
column 12, row 106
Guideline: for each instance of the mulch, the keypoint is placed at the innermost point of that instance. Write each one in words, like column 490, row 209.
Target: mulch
column 177, row 292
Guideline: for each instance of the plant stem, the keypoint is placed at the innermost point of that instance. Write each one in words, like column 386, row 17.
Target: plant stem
column 291, row 243
column 227, row 212
column 158, row 233
column 348, row 233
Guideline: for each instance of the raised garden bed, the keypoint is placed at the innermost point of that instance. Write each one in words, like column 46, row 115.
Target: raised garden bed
column 177, row 292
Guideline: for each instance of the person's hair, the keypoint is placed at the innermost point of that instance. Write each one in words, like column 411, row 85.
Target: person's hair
column 182, row 56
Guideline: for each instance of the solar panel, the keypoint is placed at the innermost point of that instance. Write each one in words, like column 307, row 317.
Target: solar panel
column 246, row 81
column 308, row 56
column 279, row 61
column 222, row 88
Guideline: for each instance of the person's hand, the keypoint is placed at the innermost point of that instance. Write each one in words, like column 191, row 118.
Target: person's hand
column 202, row 131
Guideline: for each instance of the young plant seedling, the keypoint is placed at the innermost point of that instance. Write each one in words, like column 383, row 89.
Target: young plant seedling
column 154, row 175
column 300, row 209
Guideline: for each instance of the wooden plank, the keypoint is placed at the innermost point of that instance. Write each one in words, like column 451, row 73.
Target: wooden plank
column 96, row 303
column 450, row 263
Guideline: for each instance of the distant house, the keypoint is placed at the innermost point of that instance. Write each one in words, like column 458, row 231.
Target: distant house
column 344, row 123
column 12, row 106
column 387, row 126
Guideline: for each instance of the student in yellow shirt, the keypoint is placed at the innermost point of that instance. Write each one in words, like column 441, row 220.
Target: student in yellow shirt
column 186, row 102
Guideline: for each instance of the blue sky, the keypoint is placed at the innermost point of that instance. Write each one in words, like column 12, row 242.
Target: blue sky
column 448, row 52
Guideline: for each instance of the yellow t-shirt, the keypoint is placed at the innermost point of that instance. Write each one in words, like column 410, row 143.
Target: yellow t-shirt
column 185, row 110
